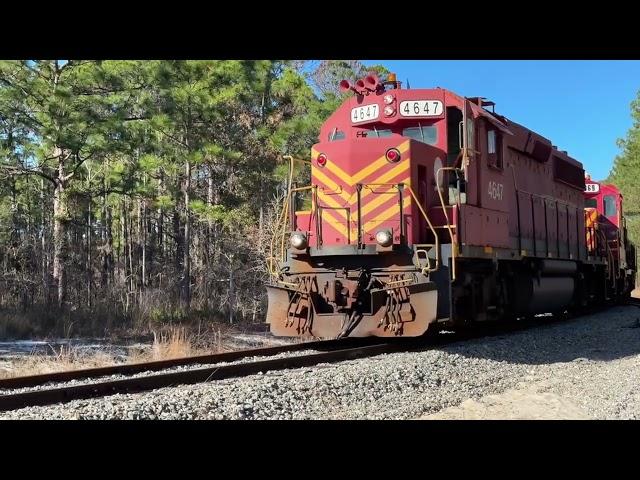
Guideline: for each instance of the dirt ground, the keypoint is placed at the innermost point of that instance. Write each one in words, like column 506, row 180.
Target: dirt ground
column 516, row 404
column 526, row 402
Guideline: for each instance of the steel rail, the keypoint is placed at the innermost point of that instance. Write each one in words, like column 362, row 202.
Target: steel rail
column 337, row 352
column 152, row 382
column 133, row 368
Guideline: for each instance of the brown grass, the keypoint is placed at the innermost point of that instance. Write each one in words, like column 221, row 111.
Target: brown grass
column 172, row 343
column 65, row 359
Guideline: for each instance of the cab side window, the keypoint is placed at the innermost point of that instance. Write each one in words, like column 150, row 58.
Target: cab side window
column 336, row 135
column 609, row 205
column 494, row 148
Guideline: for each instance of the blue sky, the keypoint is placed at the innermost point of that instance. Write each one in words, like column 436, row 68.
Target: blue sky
column 581, row 106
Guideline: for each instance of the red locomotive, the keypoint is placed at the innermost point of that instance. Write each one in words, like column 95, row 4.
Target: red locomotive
column 428, row 209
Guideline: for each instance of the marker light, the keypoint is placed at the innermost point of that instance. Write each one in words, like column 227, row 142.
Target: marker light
column 321, row 160
column 393, row 155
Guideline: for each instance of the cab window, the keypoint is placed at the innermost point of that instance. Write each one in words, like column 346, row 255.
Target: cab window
column 609, row 205
column 591, row 203
column 422, row 134
column 494, row 148
column 375, row 133
column 336, row 135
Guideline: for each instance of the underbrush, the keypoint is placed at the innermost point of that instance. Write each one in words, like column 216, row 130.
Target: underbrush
column 167, row 344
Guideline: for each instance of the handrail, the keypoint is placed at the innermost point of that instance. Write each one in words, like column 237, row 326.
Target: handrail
column 444, row 209
column 454, row 245
column 426, row 217
column 282, row 223
column 368, row 186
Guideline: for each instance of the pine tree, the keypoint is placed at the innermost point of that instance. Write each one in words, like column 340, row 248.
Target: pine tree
column 625, row 173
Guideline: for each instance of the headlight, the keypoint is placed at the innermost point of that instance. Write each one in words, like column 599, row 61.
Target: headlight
column 298, row 240
column 384, row 238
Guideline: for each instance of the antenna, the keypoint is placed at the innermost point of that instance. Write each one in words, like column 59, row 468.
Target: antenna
column 408, row 86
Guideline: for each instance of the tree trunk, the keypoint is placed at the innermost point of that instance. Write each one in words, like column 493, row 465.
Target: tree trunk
column 132, row 275
column 89, row 271
column 125, row 255
column 160, row 214
column 43, row 244
column 186, row 286
column 143, row 240
column 210, row 226
column 59, row 232
column 179, row 240
column 232, row 290
column 107, row 253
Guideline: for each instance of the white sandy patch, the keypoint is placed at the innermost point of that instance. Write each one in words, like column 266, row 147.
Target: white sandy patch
column 515, row 404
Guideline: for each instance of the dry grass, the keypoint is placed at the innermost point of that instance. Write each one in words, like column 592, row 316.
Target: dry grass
column 63, row 360
column 168, row 343
column 172, row 343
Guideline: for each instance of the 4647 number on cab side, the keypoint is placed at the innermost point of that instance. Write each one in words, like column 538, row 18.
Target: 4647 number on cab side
column 495, row 190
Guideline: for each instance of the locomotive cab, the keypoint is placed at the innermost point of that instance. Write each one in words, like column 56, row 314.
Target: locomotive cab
column 607, row 234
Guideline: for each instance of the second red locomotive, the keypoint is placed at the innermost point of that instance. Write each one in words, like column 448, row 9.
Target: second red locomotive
column 428, row 209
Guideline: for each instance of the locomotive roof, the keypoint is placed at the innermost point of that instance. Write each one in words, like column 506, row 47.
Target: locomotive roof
column 520, row 138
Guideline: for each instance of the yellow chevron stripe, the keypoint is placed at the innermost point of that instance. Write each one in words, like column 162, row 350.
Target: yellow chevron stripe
column 332, row 185
column 384, row 216
column 330, row 201
column 592, row 217
column 368, row 207
column 362, row 174
column 336, row 224
column 352, row 199
column 370, row 225
column 391, row 174
column 382, row 198
column 341, row 174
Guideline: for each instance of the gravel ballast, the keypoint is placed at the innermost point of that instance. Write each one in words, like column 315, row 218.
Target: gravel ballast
column 148, row 373
column 591, row 363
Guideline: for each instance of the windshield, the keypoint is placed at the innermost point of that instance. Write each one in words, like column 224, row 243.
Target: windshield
column 422, row 134
column 375, row 133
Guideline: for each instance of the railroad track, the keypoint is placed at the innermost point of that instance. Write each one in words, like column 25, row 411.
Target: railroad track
column 327, row 351
column 633, row 301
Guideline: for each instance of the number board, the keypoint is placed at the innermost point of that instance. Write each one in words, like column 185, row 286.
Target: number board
column 365, row 113
column 592, row 188
column 421, row 108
